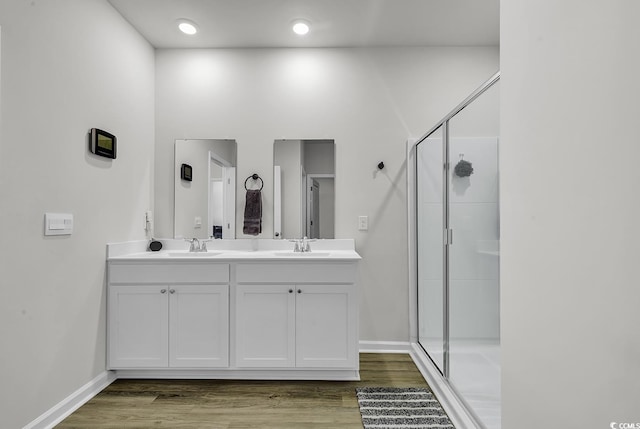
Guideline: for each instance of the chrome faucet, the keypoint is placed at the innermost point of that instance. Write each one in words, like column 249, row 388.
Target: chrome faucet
column 196, row 245
column 302, row 244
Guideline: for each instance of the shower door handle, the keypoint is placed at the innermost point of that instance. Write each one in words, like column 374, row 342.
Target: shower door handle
column 448, row 236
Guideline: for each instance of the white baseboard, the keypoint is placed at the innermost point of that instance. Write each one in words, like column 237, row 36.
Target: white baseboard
column 241, row 374
column 64, row 408
column 385, row 347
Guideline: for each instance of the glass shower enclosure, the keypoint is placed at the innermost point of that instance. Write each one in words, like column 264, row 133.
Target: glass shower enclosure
column 458, row 252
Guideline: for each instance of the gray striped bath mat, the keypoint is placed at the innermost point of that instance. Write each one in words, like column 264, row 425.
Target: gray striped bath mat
column 400, row 407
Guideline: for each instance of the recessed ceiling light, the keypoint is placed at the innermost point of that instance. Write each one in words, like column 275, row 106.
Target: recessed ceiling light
column 301, row 27
column 187, row 27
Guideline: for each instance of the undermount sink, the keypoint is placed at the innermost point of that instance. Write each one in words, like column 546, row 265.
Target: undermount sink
column 290, row 253
column 193, row 254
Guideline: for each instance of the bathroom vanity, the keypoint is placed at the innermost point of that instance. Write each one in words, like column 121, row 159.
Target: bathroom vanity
column 250, row 309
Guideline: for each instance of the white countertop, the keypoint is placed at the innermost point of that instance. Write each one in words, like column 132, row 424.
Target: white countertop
column 235, row 250
column 234, row 255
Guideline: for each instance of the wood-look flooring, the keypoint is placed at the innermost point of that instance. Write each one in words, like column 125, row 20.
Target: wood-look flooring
column 235, row 404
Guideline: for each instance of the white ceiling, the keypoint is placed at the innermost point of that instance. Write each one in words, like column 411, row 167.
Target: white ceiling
column 334, row 23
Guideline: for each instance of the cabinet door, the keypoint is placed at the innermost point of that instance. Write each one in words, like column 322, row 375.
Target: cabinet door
column 265, row 331
column 326, row 326
column 199, row 326
column 138, row 326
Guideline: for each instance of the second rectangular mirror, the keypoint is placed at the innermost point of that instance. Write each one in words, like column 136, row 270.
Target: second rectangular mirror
column 304, row 188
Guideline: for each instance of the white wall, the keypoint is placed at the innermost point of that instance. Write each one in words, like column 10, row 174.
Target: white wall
column 368, row 100
column 67, row 66
column 570, row 213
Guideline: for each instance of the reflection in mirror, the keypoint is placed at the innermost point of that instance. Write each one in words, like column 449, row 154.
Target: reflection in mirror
column 304, row 191
column 204, row 206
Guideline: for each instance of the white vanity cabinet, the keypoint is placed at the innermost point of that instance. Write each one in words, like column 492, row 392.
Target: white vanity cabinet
column 168, row 315
column 296, row 315
column 269, row 314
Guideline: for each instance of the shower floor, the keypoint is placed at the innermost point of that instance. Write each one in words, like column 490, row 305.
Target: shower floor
column 475, row 376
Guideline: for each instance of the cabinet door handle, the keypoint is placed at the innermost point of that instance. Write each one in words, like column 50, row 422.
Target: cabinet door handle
column 290, row 290
column 163, row 291
column 172, row 291
column 299, row 290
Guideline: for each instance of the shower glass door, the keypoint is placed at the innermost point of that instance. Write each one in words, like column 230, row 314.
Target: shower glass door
column 458, row 252
column 430, row 226
column 474, row 255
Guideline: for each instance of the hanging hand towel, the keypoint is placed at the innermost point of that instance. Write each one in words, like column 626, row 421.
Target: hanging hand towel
column 253, row 213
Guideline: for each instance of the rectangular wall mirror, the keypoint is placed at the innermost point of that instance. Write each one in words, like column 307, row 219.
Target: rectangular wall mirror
column 205, row 206
column 304, row 188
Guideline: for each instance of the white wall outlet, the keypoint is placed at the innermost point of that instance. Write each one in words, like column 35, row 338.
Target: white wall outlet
column 197, row 223
column 363, row 223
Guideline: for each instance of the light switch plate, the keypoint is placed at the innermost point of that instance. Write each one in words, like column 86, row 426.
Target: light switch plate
column 58, row 224
column 363, row 223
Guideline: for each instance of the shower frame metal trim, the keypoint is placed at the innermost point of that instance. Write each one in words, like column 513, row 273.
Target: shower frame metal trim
column 475, row 94
column 447, row 232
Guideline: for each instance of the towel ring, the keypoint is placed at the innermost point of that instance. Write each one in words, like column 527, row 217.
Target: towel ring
column 254, row 176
